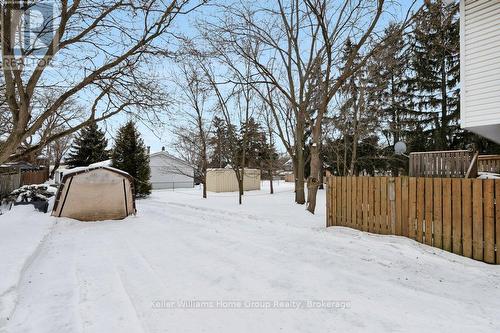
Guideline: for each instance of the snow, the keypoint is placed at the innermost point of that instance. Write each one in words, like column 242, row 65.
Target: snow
column 488, row 175
column 67, row 172
column 264, row 266
column 22, row 231
column 106, row 163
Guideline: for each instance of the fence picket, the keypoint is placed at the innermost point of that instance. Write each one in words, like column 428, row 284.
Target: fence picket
column 420, row 209
column 339, row 201
column 371, row 200
column 383, row 206
column 467, row 217
column 456, row 190
column 497, row 219
column 477, row 219
column 399, row 207
column 428, row 210
column 349, row 201
column 359, row 203
column 330, row 191
column 489, row 220
column 377, row 206
column 404, row 207
column 437, row 222
column 365, row 204
column 447, row 214
column 412, row 231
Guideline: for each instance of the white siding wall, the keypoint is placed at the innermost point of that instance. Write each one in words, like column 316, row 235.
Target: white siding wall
column 168, row 172
column 480, row 66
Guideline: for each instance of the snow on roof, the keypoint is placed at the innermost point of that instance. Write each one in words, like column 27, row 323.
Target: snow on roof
column 90, row 168
column 106, row 163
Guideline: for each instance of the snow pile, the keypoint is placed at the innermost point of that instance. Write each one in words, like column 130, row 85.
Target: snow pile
column 22, row 231
column 488, row 175
column 185, row 264
column 28, row 193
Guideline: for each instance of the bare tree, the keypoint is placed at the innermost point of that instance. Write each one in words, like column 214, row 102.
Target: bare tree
column 234, row 103
column 193, row 129
column 56, row 151
column 94, row 50
column 296, row 48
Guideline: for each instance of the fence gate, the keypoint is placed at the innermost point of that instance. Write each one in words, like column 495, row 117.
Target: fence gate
column 455, row 214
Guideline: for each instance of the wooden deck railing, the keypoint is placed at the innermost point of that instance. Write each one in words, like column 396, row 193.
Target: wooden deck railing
column 489, row 163
column 444, row 164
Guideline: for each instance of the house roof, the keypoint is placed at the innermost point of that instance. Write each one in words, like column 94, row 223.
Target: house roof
column 21, row 165
column 167, row 155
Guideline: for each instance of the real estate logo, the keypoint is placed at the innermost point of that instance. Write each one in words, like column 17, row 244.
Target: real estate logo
column 28, row 31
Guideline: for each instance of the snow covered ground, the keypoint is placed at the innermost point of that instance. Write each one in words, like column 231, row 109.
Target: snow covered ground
column 185, row 264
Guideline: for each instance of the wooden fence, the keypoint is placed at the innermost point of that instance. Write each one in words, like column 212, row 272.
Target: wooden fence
column 11, row 181
column 34, row 177
column 457, row 215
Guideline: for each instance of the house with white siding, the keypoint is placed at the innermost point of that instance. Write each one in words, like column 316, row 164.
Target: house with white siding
column 480, row 67
column 170, row 172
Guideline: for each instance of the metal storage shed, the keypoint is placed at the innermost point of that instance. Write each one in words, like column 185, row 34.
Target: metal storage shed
column 95, row 194
column 224, row 180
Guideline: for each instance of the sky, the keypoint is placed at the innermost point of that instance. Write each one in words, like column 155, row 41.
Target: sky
column 157, row 136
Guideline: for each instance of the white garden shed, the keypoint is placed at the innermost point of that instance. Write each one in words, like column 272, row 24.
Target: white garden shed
column 480, row 67
column 170, row 172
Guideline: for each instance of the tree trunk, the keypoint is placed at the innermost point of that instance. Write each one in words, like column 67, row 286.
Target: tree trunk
column 313, row 180
column 299, row 180
column 321, row 171
column 204, row 186
column 300, row 196
column 240, row 187
column 271, row 188
column 57, row 163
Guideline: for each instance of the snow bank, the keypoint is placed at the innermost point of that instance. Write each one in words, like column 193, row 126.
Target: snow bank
column 22, row 230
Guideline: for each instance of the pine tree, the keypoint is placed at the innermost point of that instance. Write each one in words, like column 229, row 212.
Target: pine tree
column 88, row 147
column 436, row 71
column 391, row 96
column 129, row 155
column 221, row 139
column 256, row 143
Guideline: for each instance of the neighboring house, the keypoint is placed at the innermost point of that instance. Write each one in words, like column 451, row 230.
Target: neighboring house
column 169, row 172
column 480, row 67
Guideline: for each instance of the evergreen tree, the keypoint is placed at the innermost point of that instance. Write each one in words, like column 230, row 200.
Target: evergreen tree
column 129, row 155
column 222, row 139
column 256, row 143
column 436, row 66
column 88, row 147
column 391, row 96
